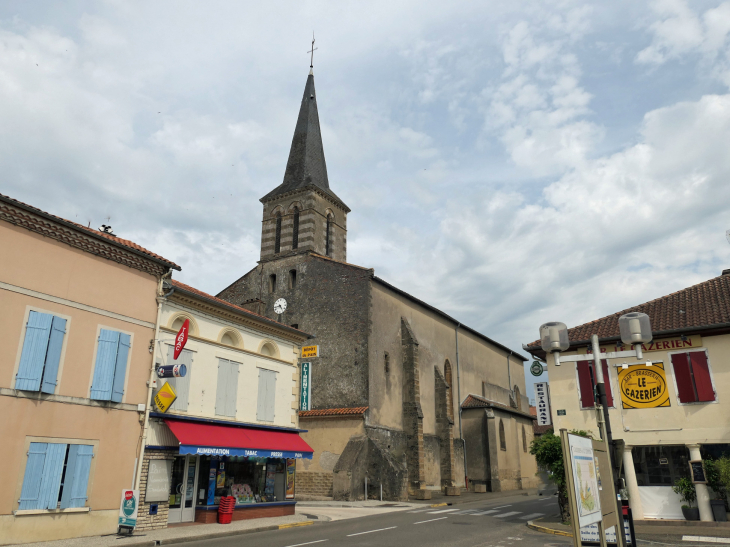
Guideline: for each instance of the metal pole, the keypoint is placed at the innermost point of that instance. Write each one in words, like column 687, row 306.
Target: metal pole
column 366, row 489
column 603, row 400
column 381, row 491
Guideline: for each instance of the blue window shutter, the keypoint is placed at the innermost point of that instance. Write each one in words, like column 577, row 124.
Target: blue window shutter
column 52, row 471
column 77, row 476
column 106, row 359
column 37, row 332
column 120, row 369
column 30, row 495
column 53, row 355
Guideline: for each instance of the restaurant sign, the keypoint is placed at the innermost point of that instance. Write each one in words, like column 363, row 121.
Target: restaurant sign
column 665, row 344
column 643, row 386
column 542, row 403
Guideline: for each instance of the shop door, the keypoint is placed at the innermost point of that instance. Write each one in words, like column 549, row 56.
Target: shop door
column 182, row 489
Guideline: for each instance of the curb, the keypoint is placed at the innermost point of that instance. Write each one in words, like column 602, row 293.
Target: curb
column 295, row 524
column 545, row 530
column 215, row 535
column 439, row 504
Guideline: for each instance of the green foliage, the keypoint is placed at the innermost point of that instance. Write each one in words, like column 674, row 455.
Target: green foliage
column 686, row 490
column 722, row 467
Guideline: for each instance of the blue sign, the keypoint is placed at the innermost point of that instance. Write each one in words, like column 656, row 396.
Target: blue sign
column 172, row 371
column 249, row 452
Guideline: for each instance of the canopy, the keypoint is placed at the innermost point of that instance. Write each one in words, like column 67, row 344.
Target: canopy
column 225, row 440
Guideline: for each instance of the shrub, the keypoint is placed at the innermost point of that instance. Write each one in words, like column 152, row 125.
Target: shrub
column 686, row 490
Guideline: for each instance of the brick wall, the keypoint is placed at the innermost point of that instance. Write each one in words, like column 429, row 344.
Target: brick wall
column 310, row 483
column 245, row 513
column 145, row 521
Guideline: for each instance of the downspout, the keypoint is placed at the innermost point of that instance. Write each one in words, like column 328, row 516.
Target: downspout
column 160, row 299
column 458, row 388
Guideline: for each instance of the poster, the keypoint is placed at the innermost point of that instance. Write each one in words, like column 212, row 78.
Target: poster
column 128, row 508
column 589, row 534
column 643, row 386
column 585, row 480
column 291, row 467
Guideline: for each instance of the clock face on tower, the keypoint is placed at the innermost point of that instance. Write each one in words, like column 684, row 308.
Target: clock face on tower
column 280, row 306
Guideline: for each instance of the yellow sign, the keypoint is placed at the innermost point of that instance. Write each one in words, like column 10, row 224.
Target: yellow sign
column 309, row 352
column 665, row 344
column 165, row 397
column 643, row 386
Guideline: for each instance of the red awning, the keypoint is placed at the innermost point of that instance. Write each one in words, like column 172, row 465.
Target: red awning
column 225, row 440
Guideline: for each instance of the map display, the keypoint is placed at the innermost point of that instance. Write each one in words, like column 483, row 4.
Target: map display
column 585, row 480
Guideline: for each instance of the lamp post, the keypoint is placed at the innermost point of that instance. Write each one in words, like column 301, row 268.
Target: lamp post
column 635, row 330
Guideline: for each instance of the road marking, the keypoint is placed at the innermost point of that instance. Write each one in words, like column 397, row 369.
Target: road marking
column 371, row 531
column 502, row 506
column 441, row 511
column 308, row 543
column 483, row 513
column 706, row 538
column 466, row 512
column 504, row 515
column 424, row 521
column 420, row 510
column 532, row 516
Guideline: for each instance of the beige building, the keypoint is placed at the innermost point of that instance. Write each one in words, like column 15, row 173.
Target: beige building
column 77, row 316
column 671, row 407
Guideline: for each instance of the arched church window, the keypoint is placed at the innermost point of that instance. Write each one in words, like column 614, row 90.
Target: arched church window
column 524, row 439
column 277, row 240
column 328, row 237
column 518, row 398
column 295, row 234
column 502, row 439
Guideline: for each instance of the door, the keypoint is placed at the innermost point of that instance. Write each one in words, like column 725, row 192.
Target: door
column 182, row 489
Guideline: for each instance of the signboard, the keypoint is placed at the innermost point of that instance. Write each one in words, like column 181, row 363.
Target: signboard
column 172, row 371
column 182, row 338
column 165, row 397
column 542, row 403
column 158, row 480
column 291, row 467
column 305, row 402
column 310, row 351
column 561, row 412
column 128, row 508
column 643, row 386
column 536, row 368
column 589, row 534
column 697, row 472
column 665, row 344
column 585, row 480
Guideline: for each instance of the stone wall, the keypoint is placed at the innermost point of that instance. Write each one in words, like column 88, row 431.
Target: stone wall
column 145, row 521
column 311, row 484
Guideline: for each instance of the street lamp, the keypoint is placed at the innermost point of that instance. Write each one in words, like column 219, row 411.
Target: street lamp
column 635, row 329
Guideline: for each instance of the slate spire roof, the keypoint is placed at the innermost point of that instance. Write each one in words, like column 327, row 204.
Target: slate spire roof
column 306, row 165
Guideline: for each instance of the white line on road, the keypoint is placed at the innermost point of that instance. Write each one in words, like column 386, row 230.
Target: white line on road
column 502, row 506
column 308, row 543
column 511, row 513
column 466, row 512
column 532, row 516
column 483, row 513
column 421, row 510
column 706, row 538
column 424, row 521
column 441, row 511
column 371, row 531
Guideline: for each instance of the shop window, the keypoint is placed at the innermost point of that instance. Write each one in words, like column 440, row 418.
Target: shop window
column 266, row 402
column 41, row 355
column 180, row 385
column 277, row 237
column 292, row 279
column 587, row 383
column 110, row 369
column 524, row 439
column 250, row 480
column 692, row 375
column 660, row 465
column 56, row 473
column 227, row 392
column 272, row 283
column 502, row 439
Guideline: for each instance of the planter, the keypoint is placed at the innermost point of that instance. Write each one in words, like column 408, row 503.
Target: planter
column 718, row 510
column 691, row 513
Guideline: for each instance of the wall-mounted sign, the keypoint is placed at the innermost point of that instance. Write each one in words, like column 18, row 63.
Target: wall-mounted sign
column 665, row 344
column 310, row 351
column 172, row 371
column 643, row 387
column 561, row 412
column 305, row 401
column 542, row 403
column 128, row 508
column 536, row 368
column 182, row 338
column 158, row 480
column 698, row 472
column 165, row 397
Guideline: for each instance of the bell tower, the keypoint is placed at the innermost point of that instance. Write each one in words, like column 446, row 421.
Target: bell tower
column 303, row 214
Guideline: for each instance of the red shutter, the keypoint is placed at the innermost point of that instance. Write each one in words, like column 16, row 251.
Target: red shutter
column 586, row 385
column 685, row 392
column 701, row 371
column 607, row 382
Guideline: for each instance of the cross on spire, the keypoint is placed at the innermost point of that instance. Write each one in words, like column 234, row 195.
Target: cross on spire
column 311, row 59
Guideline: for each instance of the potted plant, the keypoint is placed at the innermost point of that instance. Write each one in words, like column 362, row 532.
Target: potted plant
column 712, row 472
column 686, row 490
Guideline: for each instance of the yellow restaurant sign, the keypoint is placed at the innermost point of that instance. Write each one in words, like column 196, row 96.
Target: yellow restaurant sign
column 310, row 351
column 665, row 344
column 165, row 397
column 643, row 386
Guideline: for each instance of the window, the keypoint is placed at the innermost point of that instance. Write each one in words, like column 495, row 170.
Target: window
column 660, row 465
column 292, row 279
column 267, row 395
column 587, row 383
column 518, row 398
column 180, row 385
column 692, row 375
column 295, row 233
column 228, row 340
column 524, row 439
column 272, row 283
column 387, row 363
column 38, row 369
column 502, row 439
column 268, row 349
column 110, row 369
column 54, row 473
column 328, row 236
column 227, row 392
column 277, row 240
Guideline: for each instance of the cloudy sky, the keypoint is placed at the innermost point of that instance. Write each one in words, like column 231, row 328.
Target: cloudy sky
column 510, row 162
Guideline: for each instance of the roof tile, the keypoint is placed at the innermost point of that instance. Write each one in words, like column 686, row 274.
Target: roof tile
column 354, row 411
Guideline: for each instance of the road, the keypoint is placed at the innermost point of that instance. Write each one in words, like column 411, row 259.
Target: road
column 498, row 523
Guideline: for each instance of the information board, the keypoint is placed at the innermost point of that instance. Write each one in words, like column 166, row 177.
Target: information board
column 158, row 480
column 585, row 480
column 698, row 472
column 128, row 508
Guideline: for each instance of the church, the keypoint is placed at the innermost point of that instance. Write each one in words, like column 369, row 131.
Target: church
column 404, row 398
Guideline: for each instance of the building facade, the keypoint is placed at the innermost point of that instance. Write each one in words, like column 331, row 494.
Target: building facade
column 77, row 314
column 668, row 409
column 233, row 428
column 392, row 372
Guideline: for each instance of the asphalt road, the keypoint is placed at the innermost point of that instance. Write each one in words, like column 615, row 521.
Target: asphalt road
column 500, row 523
